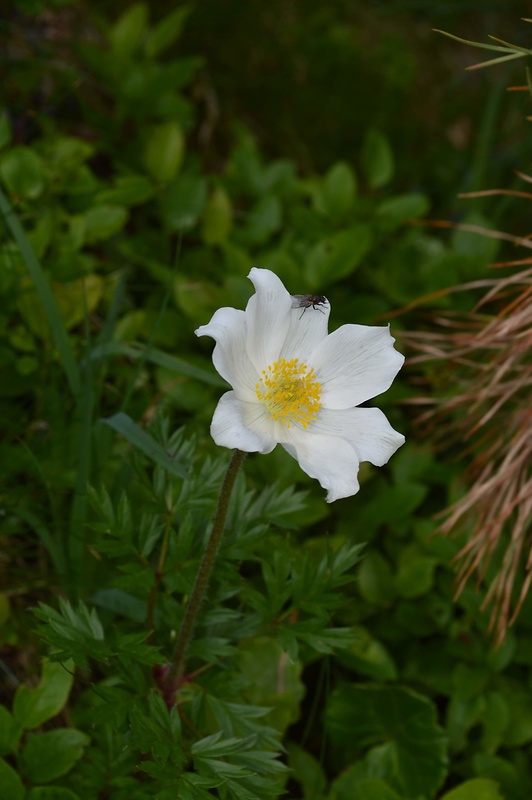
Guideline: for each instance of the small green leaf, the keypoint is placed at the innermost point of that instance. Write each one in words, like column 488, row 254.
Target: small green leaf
column 102, row 222
column 375, row 579
column 416, row 573
column 129, row 30
column 377, row 159
column 10, row 732
column 49, row 755
column 22, row 171
column 12, row 786
column 217, row 218
column 338, row 256
column 338, row 190
column 164, row 151
column 264, row 220
column 476, row 789
column 136, row 436
column 183, row 202
column 405, row 206
column 166, row 32
column 352, row 784
column 32, row 707
column 127, row 190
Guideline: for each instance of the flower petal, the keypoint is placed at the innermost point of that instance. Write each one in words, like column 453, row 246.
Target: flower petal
column 308, row 326
column 242, row 426
column 267, row 318
column 329, row 459
column 355, row 363
column 366, row 429
column 228, row 328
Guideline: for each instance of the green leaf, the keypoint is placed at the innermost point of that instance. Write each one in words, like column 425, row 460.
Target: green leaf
column 138, row 437
column 375, row 579
column 51, row 793
column 368, row 656
column 127, row 190
column 32, row 707
column 164, row 151
column 10, row 732
column 36, row 272
column 102, row 222
column 395, row 210
column 129, row 30
column 49, row 755
column 183, row 202
column 476, row 789
column 166, row 32
column 377, row 159
column 22, row 171
column 307, row 771
column 338, row 256
column 416, row 572
column 271, row 680
column 352, row 784
column 12, row 786
column 5, row 130
column 217, row 218
column 408, row 746
column 264, row 220
column 337, row 191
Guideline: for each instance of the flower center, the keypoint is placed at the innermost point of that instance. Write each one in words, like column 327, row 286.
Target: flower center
column 290, row 391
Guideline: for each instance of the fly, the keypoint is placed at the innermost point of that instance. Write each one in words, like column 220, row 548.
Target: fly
column 305, row 301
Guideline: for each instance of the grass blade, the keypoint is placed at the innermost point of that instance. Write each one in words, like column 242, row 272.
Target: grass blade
column 138, row 437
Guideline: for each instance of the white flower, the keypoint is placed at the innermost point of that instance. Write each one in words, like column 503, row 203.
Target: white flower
column 296, row 386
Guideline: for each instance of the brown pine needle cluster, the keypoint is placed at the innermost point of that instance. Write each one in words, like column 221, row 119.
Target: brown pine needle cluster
column 488, row 357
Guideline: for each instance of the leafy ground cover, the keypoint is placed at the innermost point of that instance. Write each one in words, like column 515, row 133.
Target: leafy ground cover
column 146, row 163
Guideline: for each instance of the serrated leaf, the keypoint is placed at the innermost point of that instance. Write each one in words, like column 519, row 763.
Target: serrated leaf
column 138, row 437
column 32, row 707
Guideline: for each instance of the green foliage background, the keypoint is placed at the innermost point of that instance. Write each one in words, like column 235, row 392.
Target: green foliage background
column 150, row 154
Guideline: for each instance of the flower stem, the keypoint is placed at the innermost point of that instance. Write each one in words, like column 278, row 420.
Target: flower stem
column 176, row 668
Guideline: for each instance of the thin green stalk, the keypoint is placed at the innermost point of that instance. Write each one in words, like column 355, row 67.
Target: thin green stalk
column 177, row 665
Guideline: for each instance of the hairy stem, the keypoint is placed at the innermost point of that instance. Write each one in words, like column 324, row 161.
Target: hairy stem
column 177, row 665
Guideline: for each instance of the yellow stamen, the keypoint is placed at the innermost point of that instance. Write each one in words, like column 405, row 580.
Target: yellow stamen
column 290, row 391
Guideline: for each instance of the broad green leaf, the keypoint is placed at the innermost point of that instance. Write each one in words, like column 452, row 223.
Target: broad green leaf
column 10, row 731
column 166, row 32
column 127, row 190
column 375, row 579
column 10, row 783
column 415, row 576
column 51, row 793
column 405, row 206
column 47, row 756
column 128, row 31
column 183, row 202
column 272, row 679
column 368, row 656
column 408, row 746
column 138, row 437
column 377, row 159
column 476, row 789
column 102, row 222
column 22, row 171
column 337, row 191
column 164, row 151
column 217, row 217
column 32, row 707
column 337, row 256
column 352, row 785
column 77, row 299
